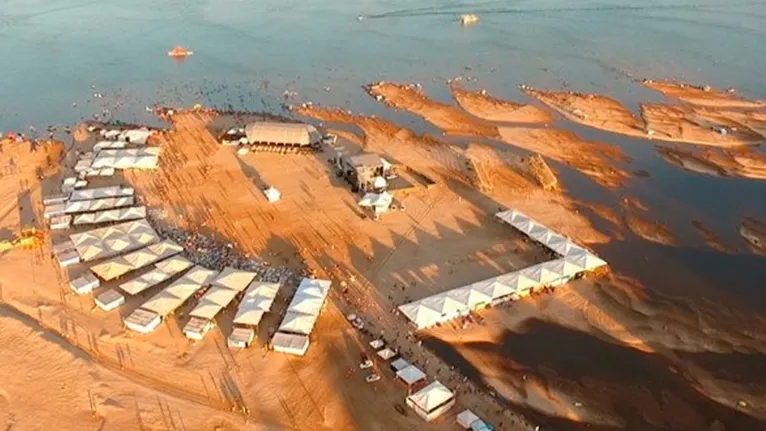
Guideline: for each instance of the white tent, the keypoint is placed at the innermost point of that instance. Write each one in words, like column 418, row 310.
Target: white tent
column 101, row 193
column 109, row 299
column 386, row 353
column 420, row 315
column 272, row 194
column 367, row 199
column 162, row 271
column 290, row 343
column 131, row 158
column 212, row 302
column 169, row 299
column 399, row 364
column 235, row 279
column 257, row 301
column 111, row 215
column 411, row 375
column 240, row 337
column 142, row 321
column 113, row 240
column 136, row 136
column 466, row 418
column 297, row 323
column 98, row 204
column 431, row 401
column 85, row 284
column 121, row 265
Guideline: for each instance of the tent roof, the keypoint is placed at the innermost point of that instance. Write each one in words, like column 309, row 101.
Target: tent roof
column 298, row 323
column 161, row 272
column 257, row 300
column 98, row 204
column 411, row 375
column 386, row 353
column 289, row 341
column 121, row 265
column 432, row 396
column 173, row 296
column 400, row 364
column 100, row 193
column 111, row 215
column 467, row 417
column 278, row 133
column 234, row 279
column 214, row 300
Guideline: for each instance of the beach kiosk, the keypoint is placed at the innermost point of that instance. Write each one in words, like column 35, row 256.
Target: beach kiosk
column 432, row 401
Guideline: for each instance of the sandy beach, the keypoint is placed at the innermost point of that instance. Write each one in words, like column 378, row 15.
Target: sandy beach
column 482, row 105
column 701, row 95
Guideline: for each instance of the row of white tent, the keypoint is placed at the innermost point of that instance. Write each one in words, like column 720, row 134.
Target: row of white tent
column 113, row 240
column 451, row 304
column 133, row 136
column 121, row 265
column 150, row 314
column 101, row 193
column 130, row 158
column 110, row 216
column 293, row 334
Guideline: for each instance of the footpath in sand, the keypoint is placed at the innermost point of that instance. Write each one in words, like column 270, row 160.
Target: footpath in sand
column 595, row 160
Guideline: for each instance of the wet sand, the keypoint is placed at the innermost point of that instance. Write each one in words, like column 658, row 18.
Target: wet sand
column 701, row 95
column 663, row 366
column 653, row 231
column 481, row 105
column 754, row 232
column 742, row 162
column 711, row 238
column 680, row 123
column 672, row 123
column 593, row 159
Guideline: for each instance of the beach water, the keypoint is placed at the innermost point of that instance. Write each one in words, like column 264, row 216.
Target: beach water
column 65, row 60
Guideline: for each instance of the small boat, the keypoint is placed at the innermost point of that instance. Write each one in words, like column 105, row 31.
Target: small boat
column 180, row 51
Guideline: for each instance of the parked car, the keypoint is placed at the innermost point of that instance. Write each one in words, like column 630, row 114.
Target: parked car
column 372, row 378
column 366, row 364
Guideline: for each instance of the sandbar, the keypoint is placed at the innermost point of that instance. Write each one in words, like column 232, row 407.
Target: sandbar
column 484, row 106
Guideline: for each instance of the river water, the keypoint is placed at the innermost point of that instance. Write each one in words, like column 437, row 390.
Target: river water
column 65, row 60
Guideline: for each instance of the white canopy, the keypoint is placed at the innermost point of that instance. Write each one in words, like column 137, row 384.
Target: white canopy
column 101, row 193
column 411, row 375
column 131, row 158
column 235, row 279
column 431, row 397
column 110, row 216
column 466, row 418
column 386, row 353
column 113, row 240
column 290, row 343
column 400, row 364
column 444, row 306
column 214, row 300
column 121, row 265
column 298, row 323
column 97, row 204
column 162, row 271
column 169, row 299
column 257, row 301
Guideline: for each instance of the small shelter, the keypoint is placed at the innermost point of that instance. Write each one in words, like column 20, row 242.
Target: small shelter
column 293, row 344
column 386, row 353
column 272, row 194
column 240, row 337
column 432, row 401
column 466, row 418
column 85, row 284
column 399, row 364
column 109, row 300
column 411, row 376
column 280, row 134
column 143, row 321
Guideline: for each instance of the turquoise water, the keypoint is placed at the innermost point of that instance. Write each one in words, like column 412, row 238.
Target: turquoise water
column 247, row 53
column 56, row 54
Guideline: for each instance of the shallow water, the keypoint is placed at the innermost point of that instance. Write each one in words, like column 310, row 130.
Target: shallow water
column 57, row 53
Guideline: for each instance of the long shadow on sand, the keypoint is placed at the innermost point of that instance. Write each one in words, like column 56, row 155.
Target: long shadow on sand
column 639, row 387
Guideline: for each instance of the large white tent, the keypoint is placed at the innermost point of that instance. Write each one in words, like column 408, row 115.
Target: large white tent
column 111, row 215
column 212, row 302
column 121, row 265
column 131, row 158
column 257, row 301
column 169, row 299
column 572, row 260
column 293, row 344
column 234, row 279
column 162, row 271
column 304, row 309
column 113, row 240
column 431, row 401
column 101, row 193
column 97, row 204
